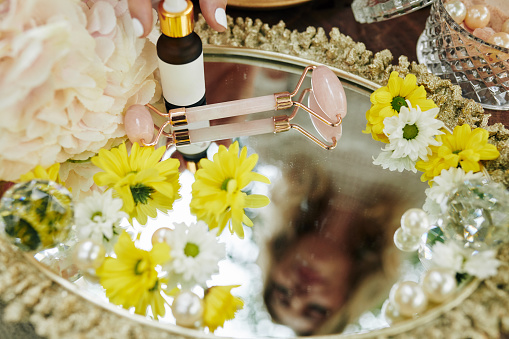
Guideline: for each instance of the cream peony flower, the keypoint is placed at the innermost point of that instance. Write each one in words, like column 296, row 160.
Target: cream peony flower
column 68, row 71
column 79, row 178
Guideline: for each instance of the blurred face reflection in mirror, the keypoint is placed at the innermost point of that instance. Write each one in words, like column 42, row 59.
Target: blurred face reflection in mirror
column 331, row 255
column 309, row 283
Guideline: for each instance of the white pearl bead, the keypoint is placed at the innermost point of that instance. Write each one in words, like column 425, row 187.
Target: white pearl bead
column 415, row 222
column 478, row 16
column 457, row 10
column 439, row 284
column 408, row 298
column 161, row 235
column 390, row 313
column 88, row 255
column 187, row 308
column 406, row 242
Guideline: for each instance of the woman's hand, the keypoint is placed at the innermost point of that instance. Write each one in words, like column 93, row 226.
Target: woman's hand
column 141, row 12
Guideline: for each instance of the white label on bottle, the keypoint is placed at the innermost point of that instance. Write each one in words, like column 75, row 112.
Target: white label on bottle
column 183, row 85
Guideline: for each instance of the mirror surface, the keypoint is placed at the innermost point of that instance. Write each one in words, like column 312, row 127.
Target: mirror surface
column 320, row 258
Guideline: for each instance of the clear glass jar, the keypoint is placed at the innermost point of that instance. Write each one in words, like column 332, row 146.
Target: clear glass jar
column 452, row 52
column 368, row 11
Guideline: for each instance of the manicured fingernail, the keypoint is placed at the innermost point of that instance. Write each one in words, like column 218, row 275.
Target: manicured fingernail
column 221, row 17
column 138, row 28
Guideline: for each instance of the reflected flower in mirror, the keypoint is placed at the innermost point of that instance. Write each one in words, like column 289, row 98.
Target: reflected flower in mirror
column 195, row 253
column 220, row 306
column 143, row 181
column 217, row 193
column 131, row 279
column 182, row 259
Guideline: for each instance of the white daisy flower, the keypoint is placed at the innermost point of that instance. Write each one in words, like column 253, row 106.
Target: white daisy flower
column 482, row 264
column 412, row 132
column 443, row 186
column 98, row 216
column 195, row 254
column 448, row 255
column 387, row 161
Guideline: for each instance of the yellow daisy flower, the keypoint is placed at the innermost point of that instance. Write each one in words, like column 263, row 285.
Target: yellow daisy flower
column 39, row 172
column 220, row 305
column 387, row 101
column 143, row 182
column 217, row 196
column 131, row 279
column 463, row 148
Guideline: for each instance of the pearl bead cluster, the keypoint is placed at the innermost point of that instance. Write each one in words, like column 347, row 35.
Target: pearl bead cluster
column 408, row 298
column 414, row 223
column 476, row 19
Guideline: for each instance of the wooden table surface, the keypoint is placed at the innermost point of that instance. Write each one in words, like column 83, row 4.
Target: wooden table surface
column 399, row 35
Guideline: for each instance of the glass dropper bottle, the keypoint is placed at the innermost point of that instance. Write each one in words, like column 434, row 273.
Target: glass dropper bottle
column 180, row 54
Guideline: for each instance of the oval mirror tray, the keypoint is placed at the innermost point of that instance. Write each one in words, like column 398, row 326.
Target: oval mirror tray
column 329, row 228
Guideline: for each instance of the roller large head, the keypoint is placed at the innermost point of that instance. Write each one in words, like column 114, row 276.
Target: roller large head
column 328, row 99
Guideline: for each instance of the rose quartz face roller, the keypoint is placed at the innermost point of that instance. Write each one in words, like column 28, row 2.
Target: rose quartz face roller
column 327, row 107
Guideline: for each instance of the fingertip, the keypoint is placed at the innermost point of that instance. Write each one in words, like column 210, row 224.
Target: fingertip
column 215, row 14
column 139, row 31
column 220, row 16
column 141, row 14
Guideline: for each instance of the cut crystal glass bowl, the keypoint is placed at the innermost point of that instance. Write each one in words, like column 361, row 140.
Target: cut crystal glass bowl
column 368, row 11
column 453, row 53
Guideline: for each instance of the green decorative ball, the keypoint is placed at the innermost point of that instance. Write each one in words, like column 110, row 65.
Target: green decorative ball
column 37, row 214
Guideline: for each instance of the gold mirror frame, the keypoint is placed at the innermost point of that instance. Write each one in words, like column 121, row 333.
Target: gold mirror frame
column 34, row 298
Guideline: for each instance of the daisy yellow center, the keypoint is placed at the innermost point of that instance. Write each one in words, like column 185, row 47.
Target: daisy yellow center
column 398, row 102
column 141, row 193
column 410, row 132
column 191, row 250
column 140, row 267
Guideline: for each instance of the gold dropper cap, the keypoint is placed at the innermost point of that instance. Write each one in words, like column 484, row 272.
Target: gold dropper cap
column 176, row 25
